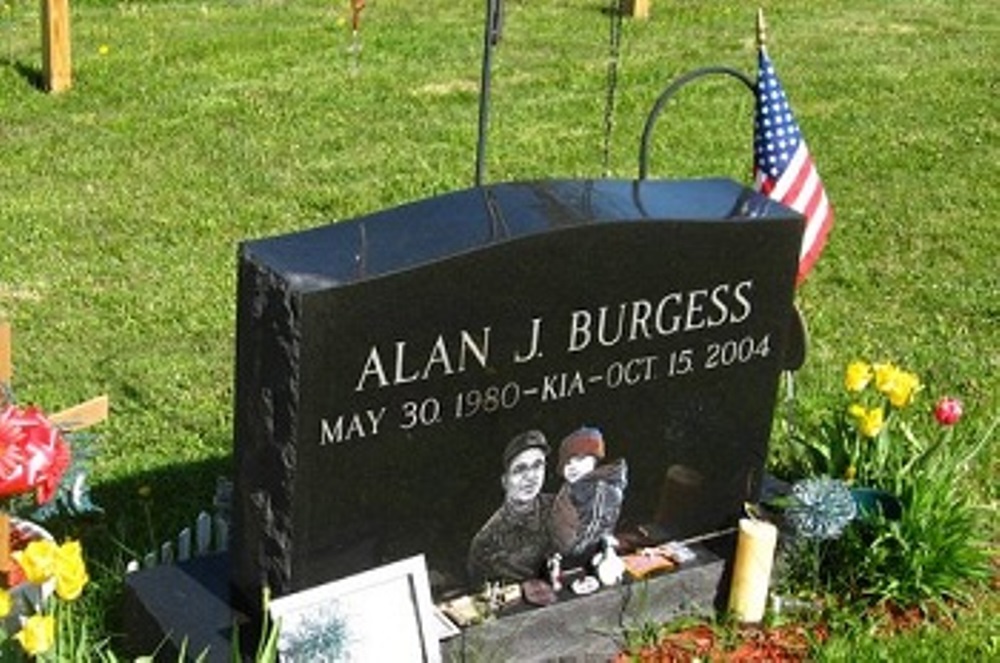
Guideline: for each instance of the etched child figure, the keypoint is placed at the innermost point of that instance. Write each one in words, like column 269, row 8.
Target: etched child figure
column 587, row 506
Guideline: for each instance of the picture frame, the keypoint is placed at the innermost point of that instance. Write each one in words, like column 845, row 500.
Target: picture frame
column 382, row 614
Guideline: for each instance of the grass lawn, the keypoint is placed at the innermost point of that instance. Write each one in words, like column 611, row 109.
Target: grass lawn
column 194, row 125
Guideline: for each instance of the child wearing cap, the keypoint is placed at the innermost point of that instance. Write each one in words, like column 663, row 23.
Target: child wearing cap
column 588, row 504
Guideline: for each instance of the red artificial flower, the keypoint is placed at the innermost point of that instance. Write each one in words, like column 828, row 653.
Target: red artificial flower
column 12, row 439
column 33, row 453
column 48, row 484
column 948, row 411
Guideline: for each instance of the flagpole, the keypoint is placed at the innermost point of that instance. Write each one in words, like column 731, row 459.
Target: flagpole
column 761, row 29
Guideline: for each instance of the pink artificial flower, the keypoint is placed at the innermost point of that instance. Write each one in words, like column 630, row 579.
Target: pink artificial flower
column 948, row 411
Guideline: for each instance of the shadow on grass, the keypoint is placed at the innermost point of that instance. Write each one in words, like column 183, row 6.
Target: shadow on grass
column 145, row 509
column 32, row 75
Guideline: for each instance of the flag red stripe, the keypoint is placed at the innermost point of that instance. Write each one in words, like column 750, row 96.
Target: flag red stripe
column 814, row 227
column 796, row 180
column 810, row 205
column 807, row 261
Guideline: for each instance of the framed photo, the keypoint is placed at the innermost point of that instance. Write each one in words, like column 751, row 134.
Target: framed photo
column 385, row 614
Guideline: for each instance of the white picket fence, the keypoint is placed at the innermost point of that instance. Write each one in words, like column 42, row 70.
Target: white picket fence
column 210, row 534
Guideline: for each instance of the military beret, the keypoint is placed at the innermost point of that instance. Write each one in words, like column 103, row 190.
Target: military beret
column 532, row 439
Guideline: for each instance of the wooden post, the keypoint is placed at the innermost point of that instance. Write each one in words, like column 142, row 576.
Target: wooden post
column 4, row 547
column 6, row 373
column 636, row 8
column 56, row 67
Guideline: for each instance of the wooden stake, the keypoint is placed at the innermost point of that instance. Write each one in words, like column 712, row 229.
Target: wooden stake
column 6, row 368
column 56, row 67
column 4, row 544
column 637, row 8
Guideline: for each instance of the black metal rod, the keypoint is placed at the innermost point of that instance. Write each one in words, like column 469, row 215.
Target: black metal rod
column 491, row 35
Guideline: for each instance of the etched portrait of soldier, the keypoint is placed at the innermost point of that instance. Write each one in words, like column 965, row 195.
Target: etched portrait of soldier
column 514, row 543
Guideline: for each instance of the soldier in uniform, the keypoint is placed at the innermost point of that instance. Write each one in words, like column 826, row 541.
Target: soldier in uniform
column 514, row 544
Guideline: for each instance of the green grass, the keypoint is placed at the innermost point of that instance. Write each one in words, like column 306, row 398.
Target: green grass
column 973, row 638
column 207, row 123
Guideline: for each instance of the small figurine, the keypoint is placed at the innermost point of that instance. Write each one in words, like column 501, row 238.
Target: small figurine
column 609, row 566
column 554, row 567
column 494, row 596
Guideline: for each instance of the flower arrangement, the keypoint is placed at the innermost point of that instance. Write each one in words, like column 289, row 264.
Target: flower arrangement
column 39, row 476
column 42, row 473
column 857, row 445
column 34, row 454
column 43, row 458
column 911, row 538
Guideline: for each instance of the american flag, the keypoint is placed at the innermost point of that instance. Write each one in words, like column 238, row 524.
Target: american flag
column 783, row 168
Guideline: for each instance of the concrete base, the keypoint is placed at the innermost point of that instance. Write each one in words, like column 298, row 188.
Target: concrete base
column 186, row 606
column 595, row 627
column 182, row 607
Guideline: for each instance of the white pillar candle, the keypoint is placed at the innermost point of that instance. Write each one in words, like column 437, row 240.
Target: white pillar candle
column 752, row 569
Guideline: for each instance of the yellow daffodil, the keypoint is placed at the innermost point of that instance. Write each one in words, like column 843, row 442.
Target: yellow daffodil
column 37, row 634
column 904, row 387
column 70, row 570
column 868, row 421
column 899, row 386
column 6, row 603
column 38, row 559
column 883, row 375
column 857, row 376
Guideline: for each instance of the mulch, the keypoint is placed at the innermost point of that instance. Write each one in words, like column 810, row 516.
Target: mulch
column 780, row 644
column 788, row 643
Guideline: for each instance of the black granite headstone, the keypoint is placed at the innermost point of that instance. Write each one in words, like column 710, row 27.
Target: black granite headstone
column 384, row 363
